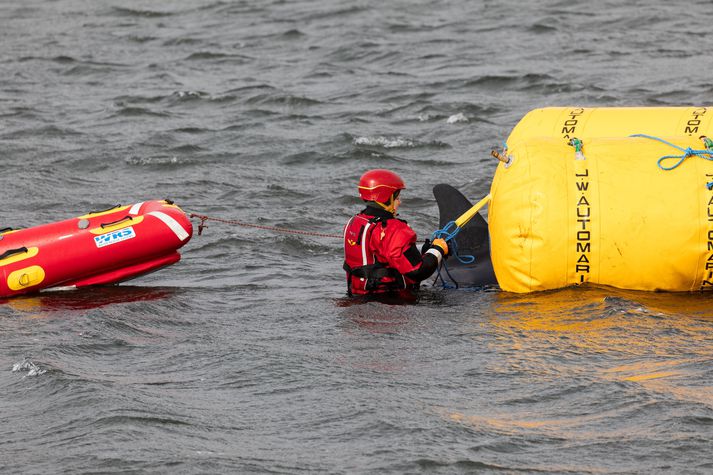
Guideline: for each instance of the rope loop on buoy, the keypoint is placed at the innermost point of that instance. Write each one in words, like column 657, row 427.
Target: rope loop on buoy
column 706, row 154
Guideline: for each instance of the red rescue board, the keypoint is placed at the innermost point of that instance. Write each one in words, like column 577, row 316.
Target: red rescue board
column 103, row 247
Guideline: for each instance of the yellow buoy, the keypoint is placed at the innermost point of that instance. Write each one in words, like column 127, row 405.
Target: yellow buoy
column 604, row 212
column 586, row 123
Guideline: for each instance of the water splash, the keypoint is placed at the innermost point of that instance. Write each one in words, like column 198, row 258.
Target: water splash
column 457, row 118
column 386, row 142
column 27, row 365
column 396, row 142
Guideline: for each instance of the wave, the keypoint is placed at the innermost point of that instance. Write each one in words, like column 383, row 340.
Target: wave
column 457, row 119
column 138, row 112
column 500, row 81
column 389, row 142
column 121, row 101
column 283, row 99
column 29, row 367
column 140, row 13
column 468, row 114
column 42, row 131
column 219, row 57
column 141, row 39
column 182, row 41
column 294, row 33
column 190, row 95
column 161, row 161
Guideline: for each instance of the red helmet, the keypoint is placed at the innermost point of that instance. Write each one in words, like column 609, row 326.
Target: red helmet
column 378, row 185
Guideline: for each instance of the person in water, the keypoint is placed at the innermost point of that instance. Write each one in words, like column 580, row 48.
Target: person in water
column 380, row 254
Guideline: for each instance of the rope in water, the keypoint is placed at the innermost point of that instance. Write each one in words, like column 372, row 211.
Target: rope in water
column 205, row 218
column 445, row 233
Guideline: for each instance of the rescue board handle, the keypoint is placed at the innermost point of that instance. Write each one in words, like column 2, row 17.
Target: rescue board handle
column 12, row 252
column 106, row 225
column 105, row 210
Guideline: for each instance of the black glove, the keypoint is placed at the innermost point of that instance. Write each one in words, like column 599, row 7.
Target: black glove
column 426, row 246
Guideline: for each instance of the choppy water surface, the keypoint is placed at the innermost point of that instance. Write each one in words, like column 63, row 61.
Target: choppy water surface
column 245, row 356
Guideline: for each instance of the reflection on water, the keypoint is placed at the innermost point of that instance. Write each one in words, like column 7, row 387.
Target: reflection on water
column 591, row 363
column 603, row 313
column 385, row 313
column 86, row 298
column 375, row 316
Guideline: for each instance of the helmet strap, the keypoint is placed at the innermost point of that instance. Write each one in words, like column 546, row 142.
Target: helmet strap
column 388, row 206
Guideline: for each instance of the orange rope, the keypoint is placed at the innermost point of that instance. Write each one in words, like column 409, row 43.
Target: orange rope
column 205, row 218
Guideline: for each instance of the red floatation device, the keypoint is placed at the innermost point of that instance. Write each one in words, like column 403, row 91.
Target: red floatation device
column 101, row 247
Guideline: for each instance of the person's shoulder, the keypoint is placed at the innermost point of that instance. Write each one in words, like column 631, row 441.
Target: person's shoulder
column 397, row 225
column 400, row 222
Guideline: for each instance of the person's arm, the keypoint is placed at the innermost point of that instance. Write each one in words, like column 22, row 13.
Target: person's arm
column 399, row 247
column 429, row 260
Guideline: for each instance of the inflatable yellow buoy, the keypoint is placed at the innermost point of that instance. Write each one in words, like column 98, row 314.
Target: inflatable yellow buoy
column 599, row 208
column 598, row 122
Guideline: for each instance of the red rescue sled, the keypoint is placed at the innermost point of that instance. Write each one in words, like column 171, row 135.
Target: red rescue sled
column 101, row 247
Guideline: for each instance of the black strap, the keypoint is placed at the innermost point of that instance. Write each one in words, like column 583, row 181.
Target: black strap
column 374, row 274
column 125, row 218
column 349, row 278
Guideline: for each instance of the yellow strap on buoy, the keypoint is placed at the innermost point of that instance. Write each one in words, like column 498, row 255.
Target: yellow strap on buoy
column 468, row 215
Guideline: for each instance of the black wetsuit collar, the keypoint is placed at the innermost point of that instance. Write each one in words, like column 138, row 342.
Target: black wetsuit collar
column 377, row 212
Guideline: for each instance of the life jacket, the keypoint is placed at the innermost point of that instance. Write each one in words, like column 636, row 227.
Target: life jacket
column 365, row 260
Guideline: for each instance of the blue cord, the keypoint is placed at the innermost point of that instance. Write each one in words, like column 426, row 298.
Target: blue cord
column 448, row 234
column 687, row 152
column 443, row 281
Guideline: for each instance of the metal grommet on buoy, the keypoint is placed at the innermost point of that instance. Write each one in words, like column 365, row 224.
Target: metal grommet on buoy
column 504, row 157
column 83, row 224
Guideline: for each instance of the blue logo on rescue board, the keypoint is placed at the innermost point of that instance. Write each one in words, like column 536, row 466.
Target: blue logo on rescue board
column 114, row 237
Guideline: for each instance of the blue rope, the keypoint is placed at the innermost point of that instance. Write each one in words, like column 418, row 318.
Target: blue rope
column 445, row 284
column 448, row 234
column 687, row 152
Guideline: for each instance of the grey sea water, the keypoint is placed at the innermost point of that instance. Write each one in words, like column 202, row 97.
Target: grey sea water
column 246, row 357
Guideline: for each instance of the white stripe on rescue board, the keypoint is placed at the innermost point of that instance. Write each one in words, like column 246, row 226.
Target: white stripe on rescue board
column 172, row 224
column 135, row 209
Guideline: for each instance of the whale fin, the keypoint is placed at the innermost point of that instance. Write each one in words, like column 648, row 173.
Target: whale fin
column 473, row 239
